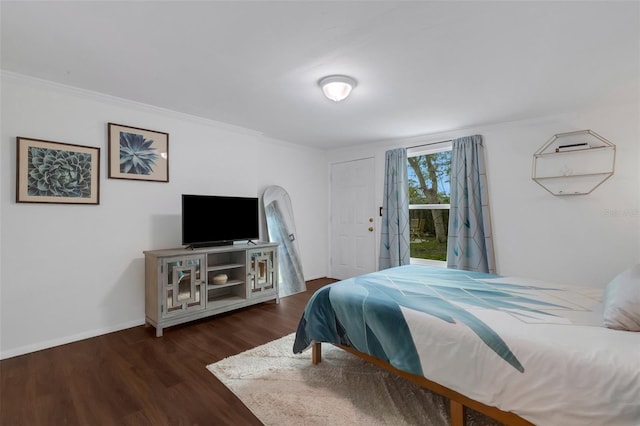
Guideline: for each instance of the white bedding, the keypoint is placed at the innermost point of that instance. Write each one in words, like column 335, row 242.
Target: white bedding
column 577, row 372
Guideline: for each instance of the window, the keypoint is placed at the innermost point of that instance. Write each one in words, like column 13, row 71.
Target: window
column 429, row 169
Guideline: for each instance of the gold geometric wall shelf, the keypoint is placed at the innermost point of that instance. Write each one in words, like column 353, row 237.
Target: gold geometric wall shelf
column 574, row 163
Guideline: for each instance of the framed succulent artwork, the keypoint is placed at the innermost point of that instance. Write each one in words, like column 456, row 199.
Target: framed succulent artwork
column 138, row 154
column 55, row 172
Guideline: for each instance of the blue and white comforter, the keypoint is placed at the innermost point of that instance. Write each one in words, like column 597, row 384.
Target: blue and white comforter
column 535, row 349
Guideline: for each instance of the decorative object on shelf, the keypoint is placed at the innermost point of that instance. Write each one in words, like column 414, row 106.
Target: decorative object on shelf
column 220, row 278
column 282, row 229
column 572, row 147
column 337, row 87
column 574, row 163
column 55, row 172
column 138, row 154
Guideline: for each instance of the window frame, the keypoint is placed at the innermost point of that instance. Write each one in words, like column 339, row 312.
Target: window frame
column 416, row 151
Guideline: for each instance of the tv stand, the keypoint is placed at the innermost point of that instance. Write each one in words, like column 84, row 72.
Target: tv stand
column 186, row 284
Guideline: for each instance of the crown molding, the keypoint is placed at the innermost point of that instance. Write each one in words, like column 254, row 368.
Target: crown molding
column 122, row 102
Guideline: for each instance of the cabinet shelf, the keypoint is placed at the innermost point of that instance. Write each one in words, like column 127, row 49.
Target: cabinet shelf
column 229, row 283
column 223, row 267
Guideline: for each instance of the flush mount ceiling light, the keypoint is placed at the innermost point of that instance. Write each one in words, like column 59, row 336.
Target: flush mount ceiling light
column 337, row 87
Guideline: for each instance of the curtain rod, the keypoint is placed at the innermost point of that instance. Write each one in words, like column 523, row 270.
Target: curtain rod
column 430, row 143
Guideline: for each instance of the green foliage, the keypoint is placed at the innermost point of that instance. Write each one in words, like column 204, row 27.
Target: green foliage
column 429, row 181
column 425, row 223
column 428, row 248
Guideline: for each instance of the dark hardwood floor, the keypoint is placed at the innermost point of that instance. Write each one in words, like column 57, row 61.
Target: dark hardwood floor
column 131, row 377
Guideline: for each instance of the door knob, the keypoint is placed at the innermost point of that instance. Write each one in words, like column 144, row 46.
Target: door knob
column 371, row 229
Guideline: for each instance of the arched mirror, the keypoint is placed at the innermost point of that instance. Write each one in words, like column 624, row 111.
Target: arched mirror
column 281, row 229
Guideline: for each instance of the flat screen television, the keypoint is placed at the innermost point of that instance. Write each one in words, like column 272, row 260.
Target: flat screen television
column 210, row 220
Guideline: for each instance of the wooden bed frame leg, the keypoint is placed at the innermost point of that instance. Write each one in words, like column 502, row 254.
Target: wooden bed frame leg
column 457, row 413
column 316, row 353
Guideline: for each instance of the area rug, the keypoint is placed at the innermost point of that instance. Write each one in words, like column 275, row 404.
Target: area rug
column 282, row 388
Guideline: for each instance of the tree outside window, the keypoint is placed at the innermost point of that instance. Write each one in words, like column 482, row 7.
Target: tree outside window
column 429, row 197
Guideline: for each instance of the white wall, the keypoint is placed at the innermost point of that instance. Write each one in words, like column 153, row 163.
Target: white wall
column 71, row 272
column 584, row 239
column 68, row 272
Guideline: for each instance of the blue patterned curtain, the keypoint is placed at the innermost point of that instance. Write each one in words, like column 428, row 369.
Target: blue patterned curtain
column 394, row 235
column 469, row 246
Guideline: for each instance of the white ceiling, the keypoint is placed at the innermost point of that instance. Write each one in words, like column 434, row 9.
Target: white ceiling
column 422, row 67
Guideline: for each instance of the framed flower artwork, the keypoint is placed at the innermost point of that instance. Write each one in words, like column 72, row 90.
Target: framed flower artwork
column 55, row 172
column 138, row 154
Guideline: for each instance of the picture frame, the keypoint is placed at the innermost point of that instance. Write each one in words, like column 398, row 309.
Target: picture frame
column 56, row 172
column 138, row 154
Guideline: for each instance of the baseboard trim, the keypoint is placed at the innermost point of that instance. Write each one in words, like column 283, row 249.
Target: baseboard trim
column 67, row 339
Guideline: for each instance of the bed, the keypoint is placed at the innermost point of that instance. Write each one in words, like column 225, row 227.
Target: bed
column 519, row 350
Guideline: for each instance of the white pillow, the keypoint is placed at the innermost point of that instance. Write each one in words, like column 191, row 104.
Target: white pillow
column 621, row 304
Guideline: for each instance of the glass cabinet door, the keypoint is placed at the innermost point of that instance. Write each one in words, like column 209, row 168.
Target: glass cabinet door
column 262, row 274
column 183, row 286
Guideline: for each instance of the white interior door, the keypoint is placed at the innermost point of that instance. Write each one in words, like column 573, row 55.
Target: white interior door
column 353, row 220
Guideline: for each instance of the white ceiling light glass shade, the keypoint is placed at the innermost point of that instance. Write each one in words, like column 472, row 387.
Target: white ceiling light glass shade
column 337, row 87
